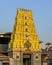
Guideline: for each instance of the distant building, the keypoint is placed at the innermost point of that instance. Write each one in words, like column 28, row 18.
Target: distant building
column 4, row 40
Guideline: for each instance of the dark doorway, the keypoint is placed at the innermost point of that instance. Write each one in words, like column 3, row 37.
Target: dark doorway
column 5, row 63
column 26, row 59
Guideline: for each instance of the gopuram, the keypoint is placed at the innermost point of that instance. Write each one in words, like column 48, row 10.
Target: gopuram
column 24, row 45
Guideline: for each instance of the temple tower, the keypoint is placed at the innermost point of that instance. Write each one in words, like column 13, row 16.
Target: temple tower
column 24, row 45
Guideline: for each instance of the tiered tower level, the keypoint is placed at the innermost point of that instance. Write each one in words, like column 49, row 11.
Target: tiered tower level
column 24, row 36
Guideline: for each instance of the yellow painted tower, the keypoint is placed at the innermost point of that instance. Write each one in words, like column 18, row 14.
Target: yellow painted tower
column 24, row 38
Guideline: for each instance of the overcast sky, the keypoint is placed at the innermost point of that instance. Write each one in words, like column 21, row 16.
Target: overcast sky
column 42, row 14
